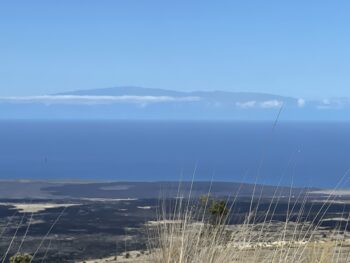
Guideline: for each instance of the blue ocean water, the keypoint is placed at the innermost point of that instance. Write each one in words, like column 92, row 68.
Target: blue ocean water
column 298, row 154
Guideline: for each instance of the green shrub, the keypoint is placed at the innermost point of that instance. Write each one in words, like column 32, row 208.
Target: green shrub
column 216, row 210
column 21, row 258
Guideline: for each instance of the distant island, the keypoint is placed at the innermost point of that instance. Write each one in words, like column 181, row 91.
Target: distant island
column 137, row 103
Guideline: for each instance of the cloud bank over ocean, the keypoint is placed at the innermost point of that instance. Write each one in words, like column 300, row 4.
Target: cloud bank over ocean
column 94, row 100
column 88, row 99
column 143, row 103
column 105, row 99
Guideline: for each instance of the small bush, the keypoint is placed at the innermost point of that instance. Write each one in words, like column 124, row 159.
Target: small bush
column 218, row 211
column 21, row 258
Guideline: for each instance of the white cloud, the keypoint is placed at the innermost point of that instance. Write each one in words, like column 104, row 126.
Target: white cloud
column 91, row 100
column 301, row 102
column 246, row 104
column 326, row 101
column 271, row 104
column 268, row 104
column 335, row 103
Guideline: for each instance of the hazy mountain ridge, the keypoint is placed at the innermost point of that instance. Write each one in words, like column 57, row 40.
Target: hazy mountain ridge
column 140, row 91
column 146, row 103
column 125, row 90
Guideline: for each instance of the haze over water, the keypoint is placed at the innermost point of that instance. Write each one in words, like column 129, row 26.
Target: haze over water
column 298, row 154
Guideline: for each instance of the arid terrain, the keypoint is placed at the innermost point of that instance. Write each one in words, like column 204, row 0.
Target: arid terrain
column 91, row 221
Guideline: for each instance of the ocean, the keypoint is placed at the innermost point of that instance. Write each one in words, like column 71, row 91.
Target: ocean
column 291, row 153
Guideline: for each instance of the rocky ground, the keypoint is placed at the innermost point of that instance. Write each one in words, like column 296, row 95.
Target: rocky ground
column 61, row 222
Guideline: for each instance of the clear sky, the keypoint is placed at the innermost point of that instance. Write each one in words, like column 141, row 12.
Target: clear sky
column 297, row 48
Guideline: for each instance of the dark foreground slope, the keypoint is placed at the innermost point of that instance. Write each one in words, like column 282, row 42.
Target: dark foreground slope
column 101, row 219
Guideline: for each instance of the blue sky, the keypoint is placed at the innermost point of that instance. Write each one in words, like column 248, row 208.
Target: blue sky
column 297, row 48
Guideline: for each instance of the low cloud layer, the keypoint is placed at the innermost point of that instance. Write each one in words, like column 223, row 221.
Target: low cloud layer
column 86, row 99
column 246, row 104
column 326, row 104
column 335, row 103
column 271, row 104
column 268, row 104
column 301, row 103
column 139, row 100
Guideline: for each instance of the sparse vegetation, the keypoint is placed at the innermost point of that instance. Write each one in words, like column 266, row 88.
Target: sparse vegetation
column 218, row 211
column 181, row 235
column 21, row 258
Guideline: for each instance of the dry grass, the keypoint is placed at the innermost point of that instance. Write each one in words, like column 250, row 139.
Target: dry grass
column 186, row 233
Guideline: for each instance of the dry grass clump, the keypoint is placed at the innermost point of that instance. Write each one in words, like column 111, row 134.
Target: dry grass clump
column 189, row 231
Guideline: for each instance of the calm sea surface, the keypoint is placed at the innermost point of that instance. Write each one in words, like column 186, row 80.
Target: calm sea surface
column 298, row 154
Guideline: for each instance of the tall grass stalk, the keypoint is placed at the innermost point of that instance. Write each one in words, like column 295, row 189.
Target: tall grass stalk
column 185, row 232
